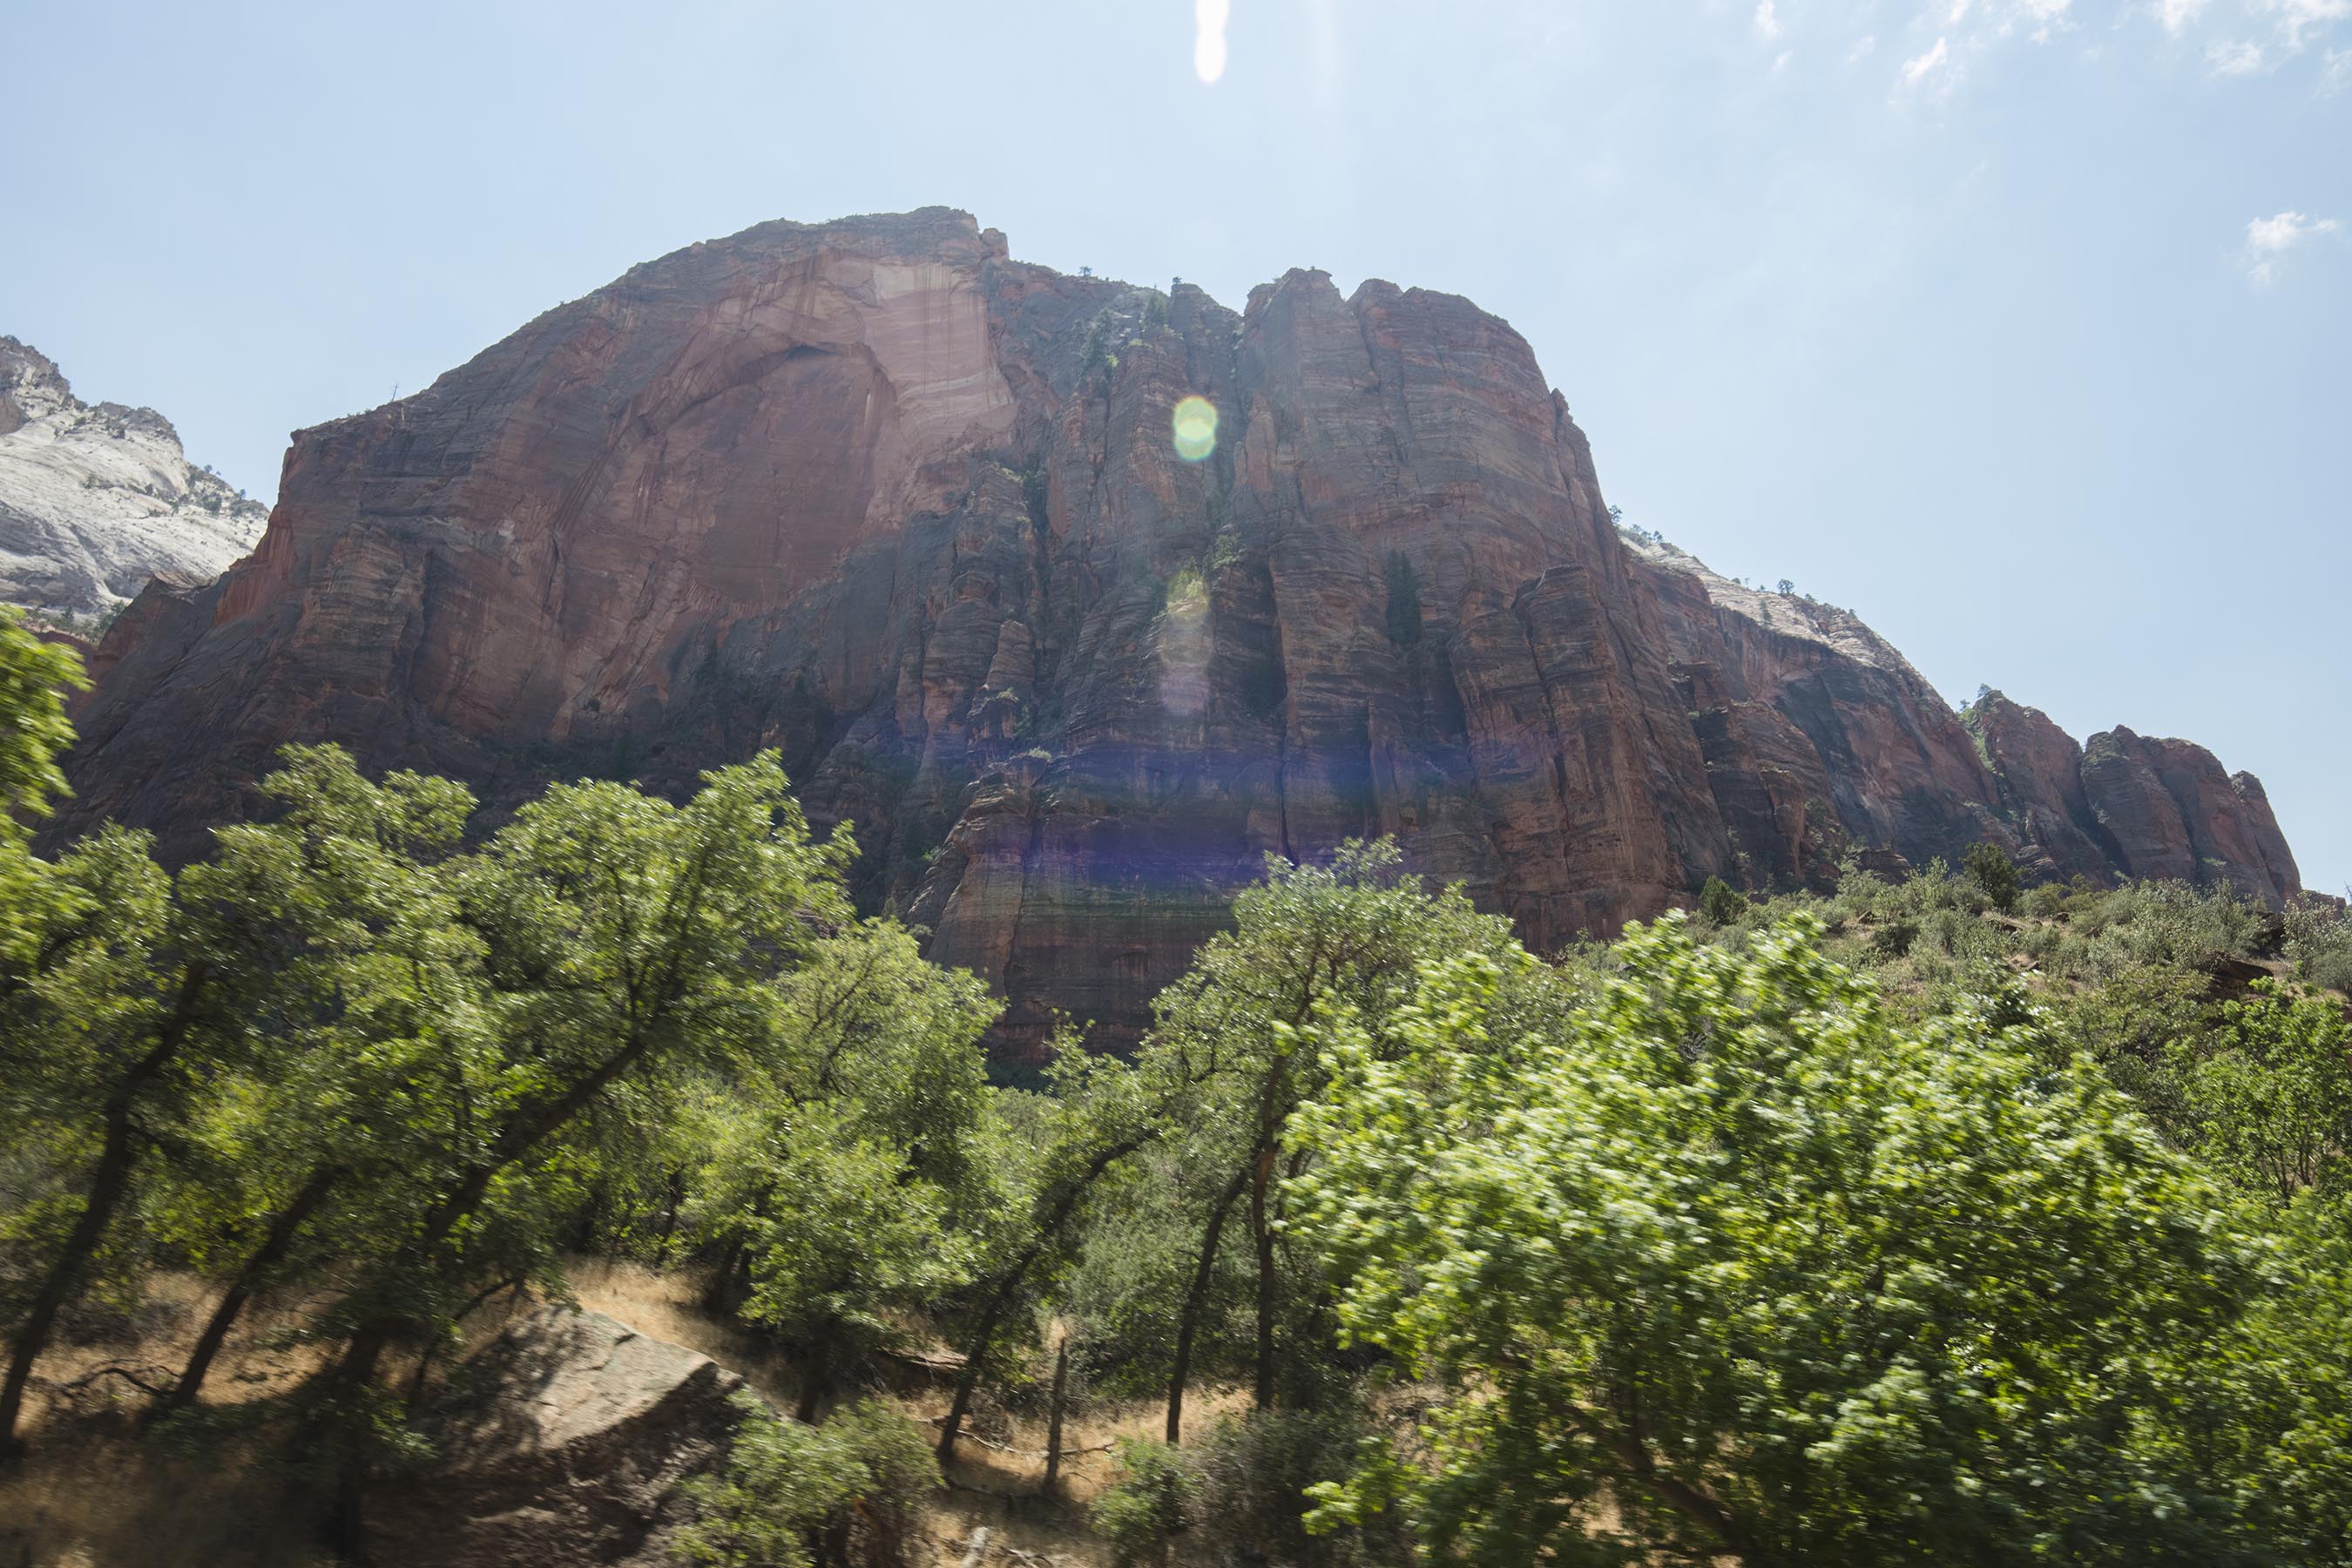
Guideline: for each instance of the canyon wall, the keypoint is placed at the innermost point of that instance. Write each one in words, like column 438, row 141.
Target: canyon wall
column 875, row 494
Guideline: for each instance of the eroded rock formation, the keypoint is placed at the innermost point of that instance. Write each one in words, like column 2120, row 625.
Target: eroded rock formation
column 875, row 494
column 97, row 500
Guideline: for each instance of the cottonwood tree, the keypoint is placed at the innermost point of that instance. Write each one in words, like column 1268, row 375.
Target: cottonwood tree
column 854, row 1184
column 1350, row 932
column 629, row 942
column 339, row 941
column 93, row 1020
column 1738, row 1266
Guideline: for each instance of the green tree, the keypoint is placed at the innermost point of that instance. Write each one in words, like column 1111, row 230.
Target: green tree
column 857, row 1182
column 1100, row 1114
column 334, row 927
column 2270, row 1094
column 629, row 942
column 1308, row 936
column 1145, row 1508
column 1719, row 904
column 1740, row 1266
column 99, row 1012
column 1988, row 865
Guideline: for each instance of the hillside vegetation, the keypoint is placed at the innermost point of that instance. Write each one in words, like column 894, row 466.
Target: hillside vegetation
column 1933, row 1221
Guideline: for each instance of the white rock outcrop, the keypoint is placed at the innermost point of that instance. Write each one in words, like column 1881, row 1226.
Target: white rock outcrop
column 97, row 499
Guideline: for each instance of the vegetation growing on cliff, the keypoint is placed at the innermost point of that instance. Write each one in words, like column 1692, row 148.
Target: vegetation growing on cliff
column 1931, row 1220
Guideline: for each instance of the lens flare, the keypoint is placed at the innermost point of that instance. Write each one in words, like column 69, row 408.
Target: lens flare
column 1209, row 37
column 1196, row 428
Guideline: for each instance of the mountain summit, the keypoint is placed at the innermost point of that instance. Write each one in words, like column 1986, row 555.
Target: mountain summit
column 1074, row 658
column 97, row 499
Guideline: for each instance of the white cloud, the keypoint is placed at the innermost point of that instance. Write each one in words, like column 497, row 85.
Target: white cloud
column 2176, row 14
column 1780, row 61
column 2298, row 18
column 1960, row 10
column 1919, row 68
column 1767, row 25
column 2243, row 58
column 1208, row 18
column 1861, row 47
column 2336, row 74
column 2044, row 18
column 2270, row 238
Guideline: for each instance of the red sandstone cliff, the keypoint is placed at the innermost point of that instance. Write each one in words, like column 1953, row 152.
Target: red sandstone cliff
column 874, row 493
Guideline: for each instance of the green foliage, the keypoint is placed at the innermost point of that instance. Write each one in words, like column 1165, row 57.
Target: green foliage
column 1766, row 1271
column 35, row 677
column 1251, row 1477
column 2319, row 943
column 2269, row 1096
column 1224, row 1048
column 791, row 1495
column 1988, row 865
column 1147, row 1507
column 860, row 1177
column 1928, row 1221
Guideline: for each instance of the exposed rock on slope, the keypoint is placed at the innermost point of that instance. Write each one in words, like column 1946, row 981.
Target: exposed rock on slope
column 567, row 1450
column 875, row 494
column 95, row 501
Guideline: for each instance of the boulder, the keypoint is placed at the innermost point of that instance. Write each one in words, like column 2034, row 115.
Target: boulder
column 565, row 1446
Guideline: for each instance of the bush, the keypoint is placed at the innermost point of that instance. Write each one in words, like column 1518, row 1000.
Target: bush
column 1252, row 1478
column 1719, row 904
column 1145, row 1508
column 2319, row 943
column 1993, row 873
column 796, row 1496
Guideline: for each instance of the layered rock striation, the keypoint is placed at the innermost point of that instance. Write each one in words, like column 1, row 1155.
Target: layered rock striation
column 97, row 500
column 877, row 494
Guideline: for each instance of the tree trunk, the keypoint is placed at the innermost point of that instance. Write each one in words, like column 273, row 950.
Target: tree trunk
column 1188, row 1323
column 1065, row 1206
column 107, row 1184
column 815, row 1372
column 969, row 1379
column 1054, row 1417
column 249, row 1279
column 669, row 1217
column 1263, row 1233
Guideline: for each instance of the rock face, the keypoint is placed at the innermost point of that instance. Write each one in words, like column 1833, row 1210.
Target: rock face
column 2171, row 812
column 568, row 1449
column 877, row 494
column 94, row 502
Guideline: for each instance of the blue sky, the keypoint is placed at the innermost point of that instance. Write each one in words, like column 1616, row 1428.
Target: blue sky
column 2023, row 327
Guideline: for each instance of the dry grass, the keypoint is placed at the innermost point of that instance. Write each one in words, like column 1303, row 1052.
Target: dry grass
column 995, row 1481
column 93, row 1494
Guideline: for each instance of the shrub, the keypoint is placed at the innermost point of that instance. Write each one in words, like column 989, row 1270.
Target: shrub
column 1993, row 873
column 1719, row 904
column 1145, row 1508
column 792, row 1494
column 2319, row 943
column 1252, row 1478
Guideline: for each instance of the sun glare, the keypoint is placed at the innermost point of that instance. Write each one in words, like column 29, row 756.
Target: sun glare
column 1209, row 37
column 1196, row 428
